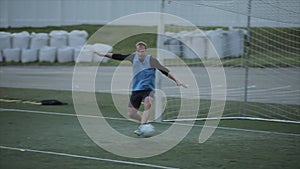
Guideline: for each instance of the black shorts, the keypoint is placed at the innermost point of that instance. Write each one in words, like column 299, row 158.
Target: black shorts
column 137, row 97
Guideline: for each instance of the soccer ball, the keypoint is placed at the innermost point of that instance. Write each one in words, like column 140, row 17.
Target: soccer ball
column 147, row 130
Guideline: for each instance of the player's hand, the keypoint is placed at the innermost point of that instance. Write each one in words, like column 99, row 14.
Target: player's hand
column 100, row 53
column 181, row 84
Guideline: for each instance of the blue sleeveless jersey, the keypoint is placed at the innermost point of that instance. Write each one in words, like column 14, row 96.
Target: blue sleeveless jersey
column 143, row 74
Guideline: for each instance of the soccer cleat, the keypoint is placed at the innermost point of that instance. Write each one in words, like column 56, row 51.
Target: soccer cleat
column 138, row 131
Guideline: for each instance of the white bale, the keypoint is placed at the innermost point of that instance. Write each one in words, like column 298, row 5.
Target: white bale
column 20, row 40
column 29, row 55
column 77, row 38
column 172, row 44
column 103, row 48
column 226, row 44
column 100, row 47
column 65, row 54
column 39, row 40
column 58, row 38
column 198, row 44
column 47, row 54
column 5, row 40
column 1, row 56
column 12, row 55
column 76, row 53
column 187, row 50
column 236, row 42
column 215, row 48
column 97, row 58
column 85, row 54
column 187, row 47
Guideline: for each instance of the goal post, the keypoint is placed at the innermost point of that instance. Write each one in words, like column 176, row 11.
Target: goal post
column 160, row 31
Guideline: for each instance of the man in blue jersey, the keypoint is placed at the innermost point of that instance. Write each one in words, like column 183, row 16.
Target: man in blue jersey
column 143, row 85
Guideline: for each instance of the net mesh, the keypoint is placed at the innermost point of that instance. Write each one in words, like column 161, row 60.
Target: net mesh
column 273, row 90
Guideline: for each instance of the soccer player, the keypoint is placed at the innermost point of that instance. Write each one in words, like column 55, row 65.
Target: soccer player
column 144, row 68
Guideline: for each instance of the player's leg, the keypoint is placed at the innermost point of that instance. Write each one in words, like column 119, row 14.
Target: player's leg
column 147, row 106
column 134, row 105
column 148, row 101
column 133, row 113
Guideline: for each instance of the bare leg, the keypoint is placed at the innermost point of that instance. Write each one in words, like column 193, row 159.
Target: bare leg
column 147, row 106
column 132, row 112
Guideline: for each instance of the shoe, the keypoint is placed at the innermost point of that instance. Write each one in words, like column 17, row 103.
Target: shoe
column 138, row 131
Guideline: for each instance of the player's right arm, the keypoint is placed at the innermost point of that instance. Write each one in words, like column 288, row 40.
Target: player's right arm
column 155, row 64
column 116, row 56
column 109, row 55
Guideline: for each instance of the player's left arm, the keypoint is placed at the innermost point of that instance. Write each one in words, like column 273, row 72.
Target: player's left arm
column 155, row 64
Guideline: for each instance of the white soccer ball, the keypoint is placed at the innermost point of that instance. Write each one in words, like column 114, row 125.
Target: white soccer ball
column 147, row 130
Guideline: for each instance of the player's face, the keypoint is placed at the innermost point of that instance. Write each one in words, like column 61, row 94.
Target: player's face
column 141, row 51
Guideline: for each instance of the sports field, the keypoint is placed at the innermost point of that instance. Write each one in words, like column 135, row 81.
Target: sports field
column 37, row 136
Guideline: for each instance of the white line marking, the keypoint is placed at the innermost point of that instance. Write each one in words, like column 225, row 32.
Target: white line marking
column 234, row 118
column 86, row 157
column 124, row 119
column 239, row 129
column 62, row 114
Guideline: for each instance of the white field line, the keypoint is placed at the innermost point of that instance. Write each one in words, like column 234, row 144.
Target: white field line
column 86, row 157
column 233, row 118
column 62, row 114
column 124, row 119
column 239, row 129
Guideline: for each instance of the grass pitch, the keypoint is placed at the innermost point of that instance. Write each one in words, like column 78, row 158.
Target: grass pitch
column 235, row 144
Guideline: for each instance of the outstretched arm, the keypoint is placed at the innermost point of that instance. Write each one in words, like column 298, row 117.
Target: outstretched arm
column 116, row 56
column 109, row 55
column 155, row 64
column 178, row 83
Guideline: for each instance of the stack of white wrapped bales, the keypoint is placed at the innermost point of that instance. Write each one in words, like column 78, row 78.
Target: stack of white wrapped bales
column 57, row 46
column 206, row 44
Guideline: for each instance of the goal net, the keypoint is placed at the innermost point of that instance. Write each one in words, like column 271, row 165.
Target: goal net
column 255, row 42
